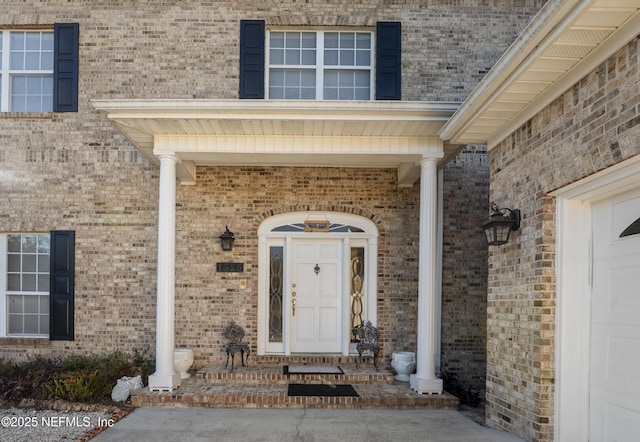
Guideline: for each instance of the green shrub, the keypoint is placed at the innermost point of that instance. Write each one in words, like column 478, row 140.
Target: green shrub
column 75, row 387
column 6, row 367
column 75, row 378
column 144, row 363
column 108, row 368
column 26, row 380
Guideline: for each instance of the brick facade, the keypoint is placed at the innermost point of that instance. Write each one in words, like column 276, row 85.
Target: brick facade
column 159, row 49
column 593, row 125
column 77, row 171
column 242, row 197
column 464, row 267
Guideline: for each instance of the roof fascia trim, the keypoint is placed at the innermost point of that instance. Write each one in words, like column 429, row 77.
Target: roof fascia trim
column 499, row 77
column 595, row 58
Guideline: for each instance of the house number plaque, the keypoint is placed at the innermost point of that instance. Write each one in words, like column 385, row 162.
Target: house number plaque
column 230, row 267
column 317, row 226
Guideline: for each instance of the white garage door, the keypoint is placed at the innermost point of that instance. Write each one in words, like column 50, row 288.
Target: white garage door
column 614, row 389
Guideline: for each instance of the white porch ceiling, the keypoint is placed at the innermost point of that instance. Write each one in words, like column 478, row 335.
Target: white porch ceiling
column 289, row 133
column 562, row 44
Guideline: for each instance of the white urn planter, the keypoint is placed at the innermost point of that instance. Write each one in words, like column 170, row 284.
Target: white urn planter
column 182, row 361
column 404, row 363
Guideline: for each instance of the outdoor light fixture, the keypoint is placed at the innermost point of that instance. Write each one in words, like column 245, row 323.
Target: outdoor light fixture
column 500, row 223
column 226, row 240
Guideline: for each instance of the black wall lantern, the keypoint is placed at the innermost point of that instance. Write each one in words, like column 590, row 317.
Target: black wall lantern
column 500, row 223
column 226, row 240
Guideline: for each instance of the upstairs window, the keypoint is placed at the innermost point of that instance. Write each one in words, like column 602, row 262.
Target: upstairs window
column 39, row 69
column 26, row 71
column 320, row 65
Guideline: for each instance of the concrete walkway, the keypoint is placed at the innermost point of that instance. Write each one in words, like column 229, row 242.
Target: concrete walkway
column 244, row 425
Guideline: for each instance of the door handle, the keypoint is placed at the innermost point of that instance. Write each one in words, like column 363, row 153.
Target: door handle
column 293, row 306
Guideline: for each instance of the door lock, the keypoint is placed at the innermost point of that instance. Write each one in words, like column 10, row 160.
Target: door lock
column 293, row 306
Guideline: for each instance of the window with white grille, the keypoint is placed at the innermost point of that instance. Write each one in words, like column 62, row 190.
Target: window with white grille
column 26, row 71
column 320, row 65
column 24, row 284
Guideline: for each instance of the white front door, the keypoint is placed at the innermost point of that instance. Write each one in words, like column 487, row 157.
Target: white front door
column 316, row 309
column 614, row 387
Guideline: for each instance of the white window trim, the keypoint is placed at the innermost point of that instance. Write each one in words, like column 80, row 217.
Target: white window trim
column 319, row 66
column 5, row 72
column 4, row 309
column 267, row 238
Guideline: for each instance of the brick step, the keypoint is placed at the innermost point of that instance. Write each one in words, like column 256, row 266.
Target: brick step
column 310, row 359
column 196, row 393
column 273, row 374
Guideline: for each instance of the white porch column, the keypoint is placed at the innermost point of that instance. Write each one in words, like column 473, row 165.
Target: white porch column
column 425, row 380
column 165, row 378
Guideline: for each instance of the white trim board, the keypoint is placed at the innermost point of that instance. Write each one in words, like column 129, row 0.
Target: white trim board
column 573, row 297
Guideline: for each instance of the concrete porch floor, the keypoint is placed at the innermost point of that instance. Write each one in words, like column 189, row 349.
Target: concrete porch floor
column 265, row 386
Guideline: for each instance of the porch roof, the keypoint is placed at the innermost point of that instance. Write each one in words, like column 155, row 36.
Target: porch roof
column 393, row 134
column 564, row 42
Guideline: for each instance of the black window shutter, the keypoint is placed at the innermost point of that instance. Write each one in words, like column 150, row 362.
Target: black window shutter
column 65, row 67
column 388, row 60
column 61, row 287
column 252, row 58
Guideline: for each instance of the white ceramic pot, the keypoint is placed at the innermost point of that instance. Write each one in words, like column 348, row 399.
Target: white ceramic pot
column 404, row 363
column 182, row 361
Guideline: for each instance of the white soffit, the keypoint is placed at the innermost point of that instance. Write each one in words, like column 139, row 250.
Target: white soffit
column 273, row 132
column 562, row 44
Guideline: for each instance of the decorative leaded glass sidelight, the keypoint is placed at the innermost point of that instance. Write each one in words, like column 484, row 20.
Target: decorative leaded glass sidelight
column 357, row 288
column 275, row 293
